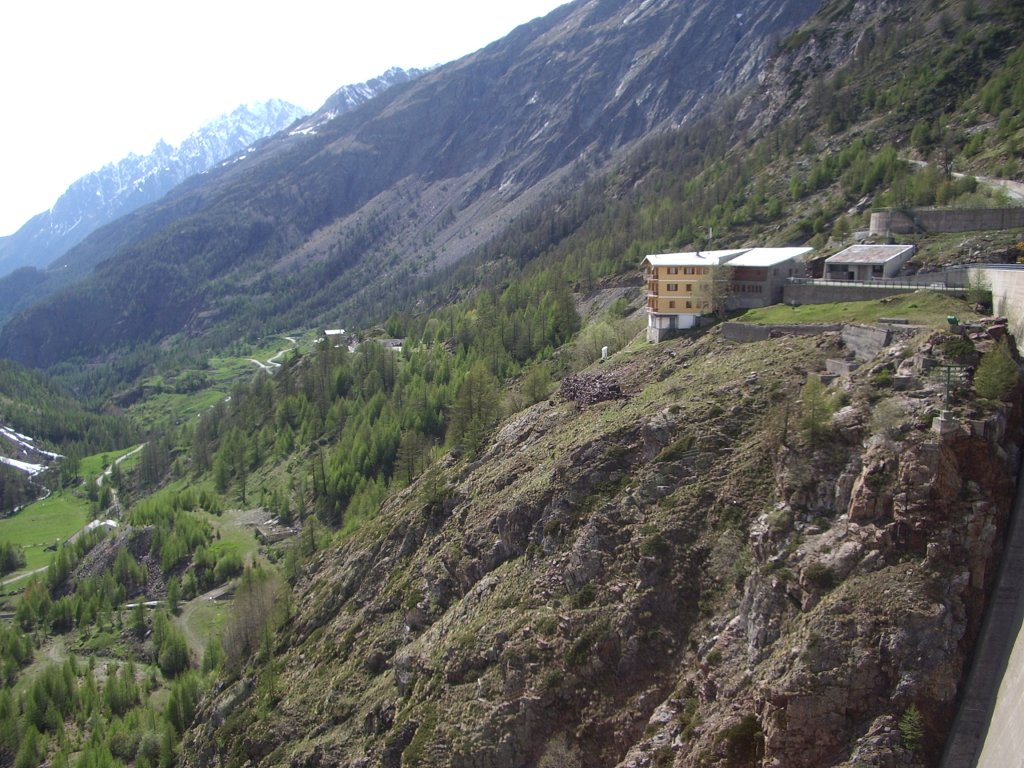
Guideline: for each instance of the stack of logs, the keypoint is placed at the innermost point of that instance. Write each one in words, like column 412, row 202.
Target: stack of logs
column 587, row 390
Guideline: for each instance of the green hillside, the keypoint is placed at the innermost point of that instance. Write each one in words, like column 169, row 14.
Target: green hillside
column 486, row 547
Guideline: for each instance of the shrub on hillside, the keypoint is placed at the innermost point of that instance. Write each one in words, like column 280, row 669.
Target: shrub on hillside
column 12, row 557
column 997, row 373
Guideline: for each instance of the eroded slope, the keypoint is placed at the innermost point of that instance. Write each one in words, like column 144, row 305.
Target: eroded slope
column 678, row 578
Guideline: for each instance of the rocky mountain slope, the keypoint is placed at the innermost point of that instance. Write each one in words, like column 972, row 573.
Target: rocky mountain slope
column 348, row 97
column 409, row 181
column 681, row 577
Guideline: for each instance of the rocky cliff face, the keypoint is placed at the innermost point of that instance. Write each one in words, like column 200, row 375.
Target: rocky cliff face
column 860, row 31
column 674, row 578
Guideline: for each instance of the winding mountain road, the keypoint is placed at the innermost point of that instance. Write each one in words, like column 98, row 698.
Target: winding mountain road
column 271, row 365
column 1014, row 189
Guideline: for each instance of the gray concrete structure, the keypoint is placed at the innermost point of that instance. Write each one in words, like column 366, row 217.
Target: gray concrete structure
column 865, row 341
column 841, row 367
column 1004, row 741
column 759, row 275
column 825, row 292
column 868, row 262
column 747, row 333
column 987, row 732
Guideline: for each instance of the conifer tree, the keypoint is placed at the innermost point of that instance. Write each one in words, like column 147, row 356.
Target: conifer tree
column 817, row 409
column 475, row 409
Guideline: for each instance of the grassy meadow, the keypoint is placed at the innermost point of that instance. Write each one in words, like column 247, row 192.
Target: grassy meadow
column 922, row 307
column 44, row 523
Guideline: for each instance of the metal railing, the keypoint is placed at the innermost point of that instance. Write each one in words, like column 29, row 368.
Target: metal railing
column 935, row 284
column 950, row 279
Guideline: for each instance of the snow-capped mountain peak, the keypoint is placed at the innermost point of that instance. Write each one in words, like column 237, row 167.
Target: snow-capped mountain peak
column 120, row 187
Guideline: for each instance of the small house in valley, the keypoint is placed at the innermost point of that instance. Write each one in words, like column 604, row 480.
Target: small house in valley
column 335, row 336
column 683, row 286
column 868, row 262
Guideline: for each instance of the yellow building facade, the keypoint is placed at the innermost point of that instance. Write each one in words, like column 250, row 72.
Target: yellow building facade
column 672, row 289
column 680, row 285
column 679, row 289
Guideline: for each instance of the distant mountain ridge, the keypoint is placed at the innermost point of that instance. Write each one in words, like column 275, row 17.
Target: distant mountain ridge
column 108, row 197
column 410, row 181
column 118, row 188
column 348, row 97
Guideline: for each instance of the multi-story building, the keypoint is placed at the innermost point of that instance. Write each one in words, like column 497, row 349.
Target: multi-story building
column 681, row 287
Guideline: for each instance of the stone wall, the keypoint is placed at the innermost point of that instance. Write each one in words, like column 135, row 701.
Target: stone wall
column 945, row 220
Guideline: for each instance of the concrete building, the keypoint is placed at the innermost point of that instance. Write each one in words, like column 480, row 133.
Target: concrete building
column 682, row 286
column 759, row 275
column 868, row 262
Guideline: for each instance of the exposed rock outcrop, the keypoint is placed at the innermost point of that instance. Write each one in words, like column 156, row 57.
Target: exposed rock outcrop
column 678, row 578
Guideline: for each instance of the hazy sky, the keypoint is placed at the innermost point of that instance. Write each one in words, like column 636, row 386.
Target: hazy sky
column 85, row 83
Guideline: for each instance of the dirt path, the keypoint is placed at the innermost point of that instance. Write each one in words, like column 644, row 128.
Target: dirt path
column 116, row 502
column 1014, row 189
column 271, row 365
column 21, row 576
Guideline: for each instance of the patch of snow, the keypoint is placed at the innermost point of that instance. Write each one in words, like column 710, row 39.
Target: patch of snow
column 539, row 131
column 24, row 466
column 100, row 523
column 26, row 443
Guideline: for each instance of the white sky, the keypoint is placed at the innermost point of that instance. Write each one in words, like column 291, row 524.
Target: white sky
column 85, row 83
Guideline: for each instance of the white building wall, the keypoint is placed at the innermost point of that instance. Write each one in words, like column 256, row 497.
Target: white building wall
column 660, row 327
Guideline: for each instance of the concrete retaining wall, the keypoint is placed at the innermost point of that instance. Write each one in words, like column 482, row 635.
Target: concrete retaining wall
column 1007, row 296
column 747, row 333
column 945, row 220
column 986, row 732
column 810, row 293
column 866, row 341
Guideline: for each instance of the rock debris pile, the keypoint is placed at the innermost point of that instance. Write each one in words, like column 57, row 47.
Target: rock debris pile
column 587, row 390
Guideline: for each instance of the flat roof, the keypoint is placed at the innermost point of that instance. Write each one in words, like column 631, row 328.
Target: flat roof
column 869, row 254
column 736, row 257
column 693, row 258
column 768, row 257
